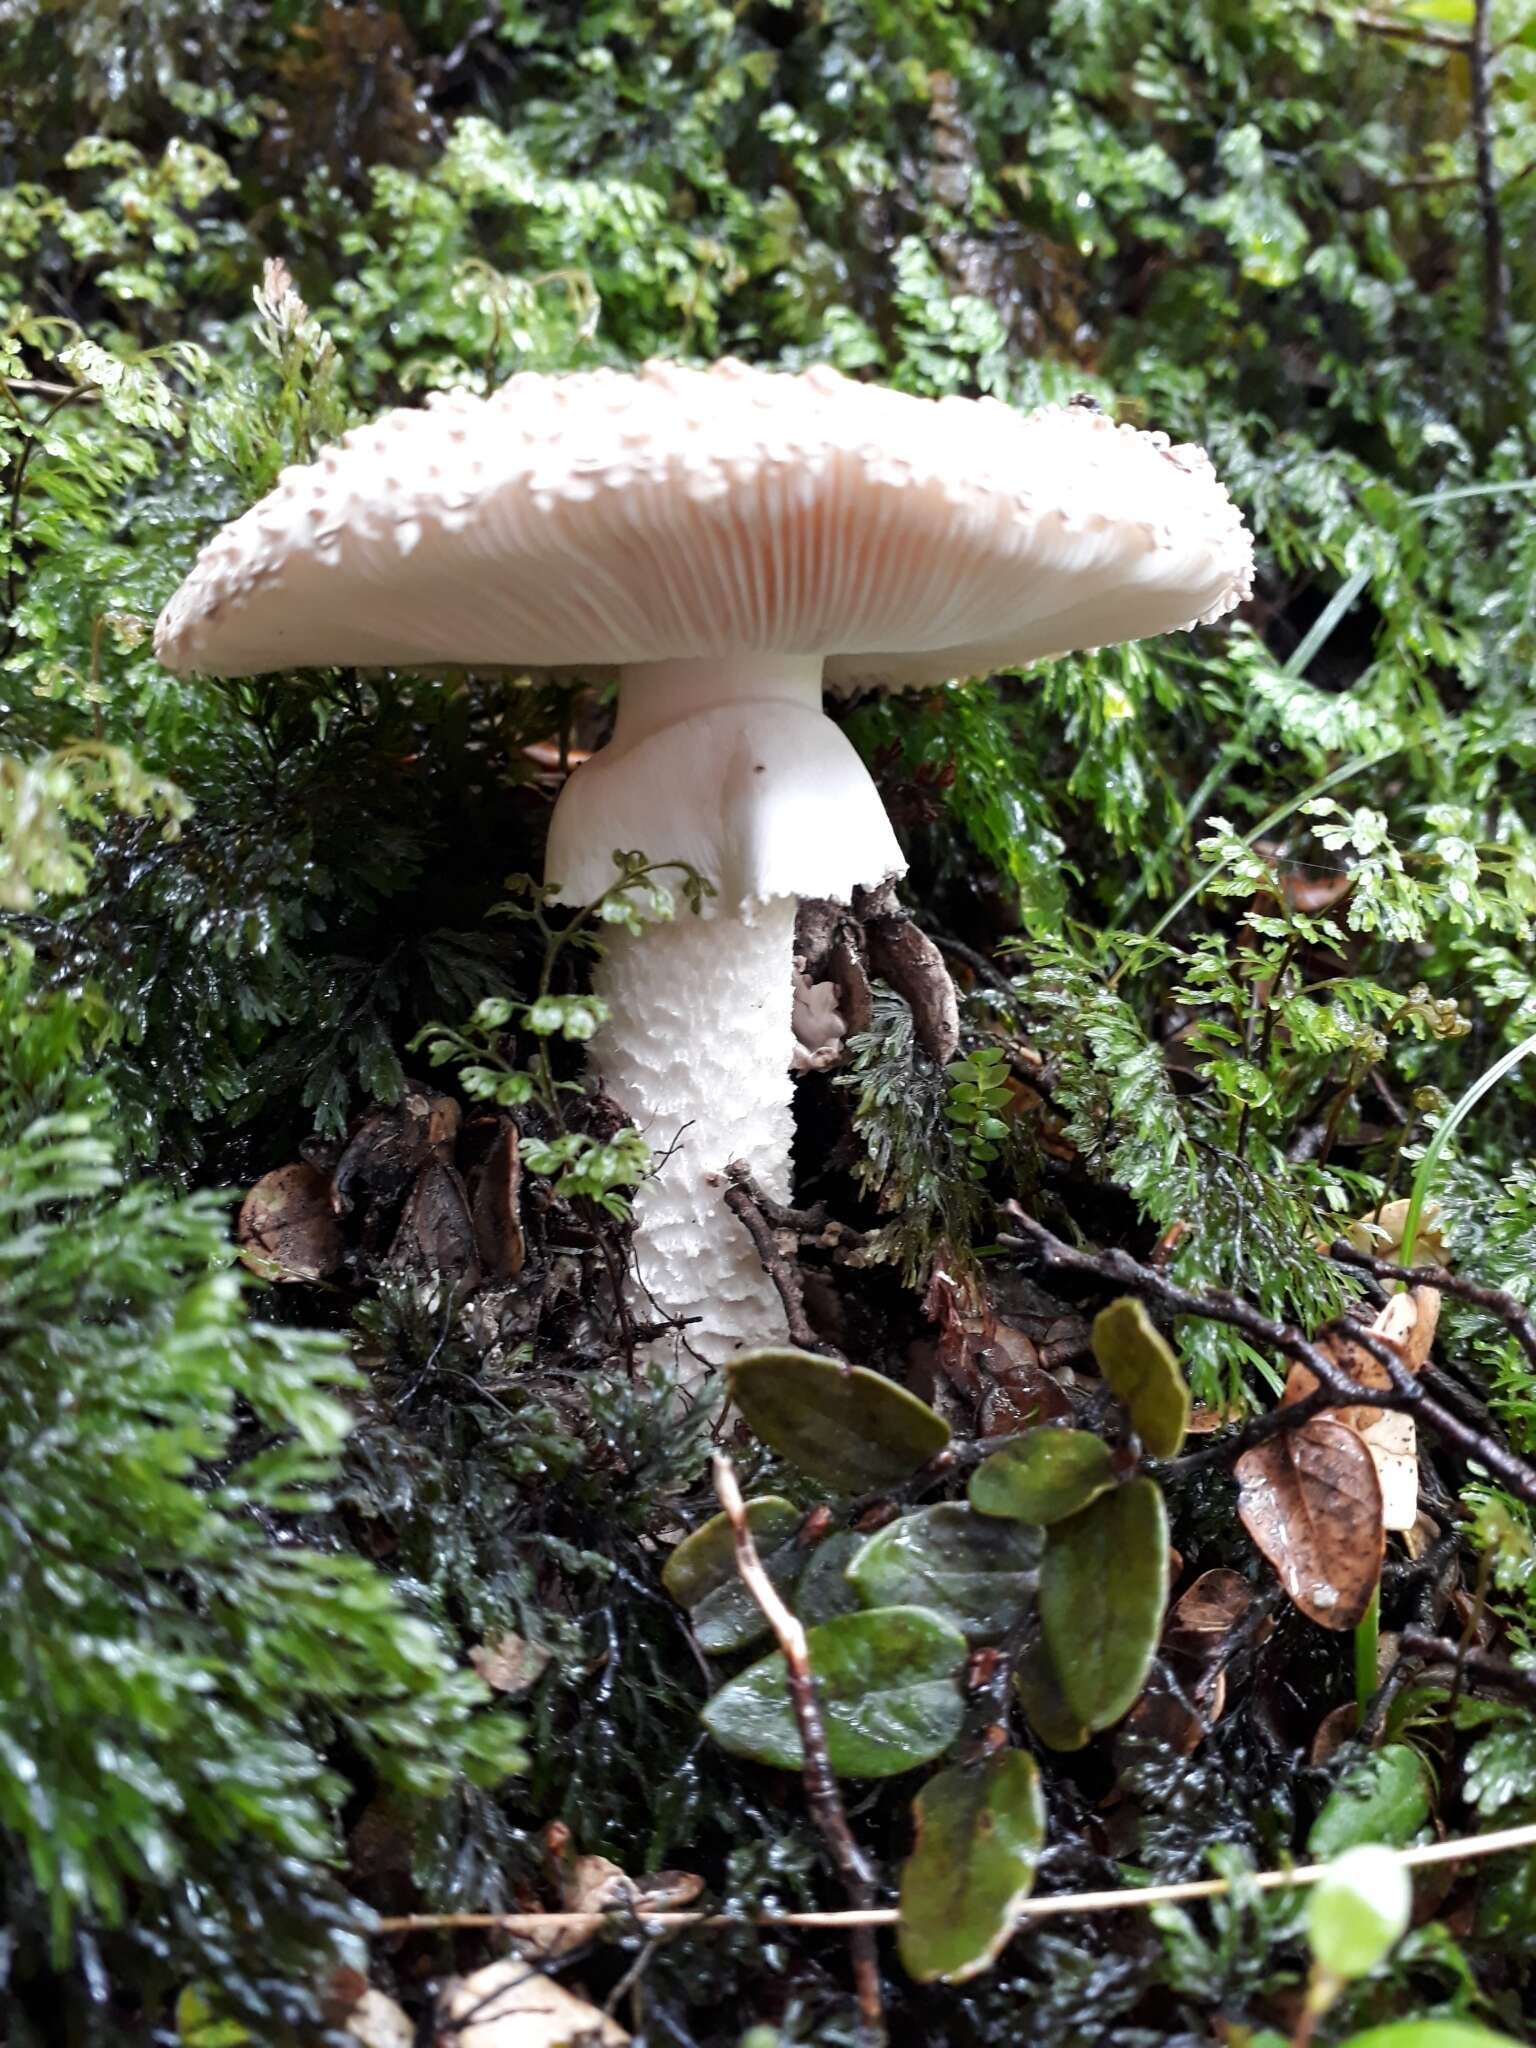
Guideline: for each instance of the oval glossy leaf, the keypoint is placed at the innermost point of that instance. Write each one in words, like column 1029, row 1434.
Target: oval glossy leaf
column 980, row 1830
column 887, row 1683
column 1044, row 1703
column 852, row 1429
column 824, row 1591
column 1311, row 1500
column 1386, row 1798
column 701, row 1573
column 1103, row 1587
column 1142, row 1369
column 976, row 1572
column 1046, row 1476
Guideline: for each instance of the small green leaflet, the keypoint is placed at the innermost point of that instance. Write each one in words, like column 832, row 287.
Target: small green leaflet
column 980, row 1829
column 850, row 1428
column 1384, row 1798
column 887, row 1683
column 1044, row 1703
column 1139, row 1364
column 1430, row 2034
column 701, row 1573
column 977, row 1573
column 1044, row 1477
column 1103, row 1587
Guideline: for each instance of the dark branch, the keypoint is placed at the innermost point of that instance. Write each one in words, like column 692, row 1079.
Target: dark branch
column 1404, row 1393
column 1477, row 1664
column 914, row 967
column 1513, row 1314
column 744, row 1202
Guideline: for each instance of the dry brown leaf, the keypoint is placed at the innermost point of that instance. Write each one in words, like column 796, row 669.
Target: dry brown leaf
column 497, row 1208
column 437, row 1233
column 512, row 2004
column 1380, row 1234
column 510, row 1664
column 1394, row 1445
column 1311, row 1501
column 1205, row 1421
column 1202, row 1618
column 992, row 1361
column 1188, row 1695
column 595, row 1884
column 1333, row 1731
column 287, row 1230
column 1407, row 1323
column 377, row 2022
column 387, row 1150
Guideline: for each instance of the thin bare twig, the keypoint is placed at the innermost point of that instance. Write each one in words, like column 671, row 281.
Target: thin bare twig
column 1123, row 1899
column 820, row 1785
column 743, row 1201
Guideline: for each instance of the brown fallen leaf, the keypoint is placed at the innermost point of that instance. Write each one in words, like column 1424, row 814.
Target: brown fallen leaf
column 436, row 1234
column 512, row 2004
column 992, row 1361
column 595, row 1884
column 1381, row 1234
column 1188, row 1692
column 1205, row 1421
column 384, row 1154
column 1335, row 1729
column 1407, row 1323
column 377, row 2022
column 286, row 1229
column 496, row 1207
column 510, row 1664
column 1311, row 1500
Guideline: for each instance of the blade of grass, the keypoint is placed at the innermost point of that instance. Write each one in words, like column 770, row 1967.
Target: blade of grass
column 1423, row 1179
column 1295, row 664
column 1300, row 660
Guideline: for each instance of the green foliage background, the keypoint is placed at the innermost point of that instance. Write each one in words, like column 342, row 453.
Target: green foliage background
column 228, row 908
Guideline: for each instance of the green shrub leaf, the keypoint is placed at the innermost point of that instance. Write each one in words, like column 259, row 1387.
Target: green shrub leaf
column 979, row 1574
column 824, row 1591
column 886, row 1681
column 980, row 1829
column 1430, row 2034
column 1140, row 1365
column 1103, row 1587
column 1046, row 1476
column 701, row 1573
column 850, row 1428
column 1386, row 1797
column 1044, row 1702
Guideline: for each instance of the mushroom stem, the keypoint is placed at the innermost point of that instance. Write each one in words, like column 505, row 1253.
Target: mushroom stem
column 698, row 1052
column 733, row 767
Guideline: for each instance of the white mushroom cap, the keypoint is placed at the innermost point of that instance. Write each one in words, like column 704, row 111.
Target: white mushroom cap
column 602, row 518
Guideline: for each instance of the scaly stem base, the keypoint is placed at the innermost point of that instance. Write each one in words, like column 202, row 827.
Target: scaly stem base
column 698, row 1054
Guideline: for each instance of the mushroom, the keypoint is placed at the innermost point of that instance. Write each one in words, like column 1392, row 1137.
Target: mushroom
column 729, row 542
